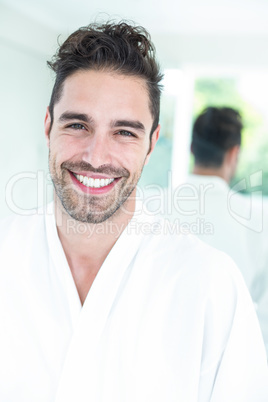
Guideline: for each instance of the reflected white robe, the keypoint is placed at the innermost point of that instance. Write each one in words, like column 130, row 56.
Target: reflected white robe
column 166, row 319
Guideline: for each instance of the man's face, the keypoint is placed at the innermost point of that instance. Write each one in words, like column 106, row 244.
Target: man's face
column 99, row 143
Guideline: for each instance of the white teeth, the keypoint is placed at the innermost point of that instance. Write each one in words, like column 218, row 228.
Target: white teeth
column 94, row 183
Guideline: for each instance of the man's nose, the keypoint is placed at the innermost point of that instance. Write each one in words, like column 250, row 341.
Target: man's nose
column 97, row 151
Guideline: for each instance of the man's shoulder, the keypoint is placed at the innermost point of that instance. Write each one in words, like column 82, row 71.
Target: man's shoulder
column 176, row 249
column 190, row 271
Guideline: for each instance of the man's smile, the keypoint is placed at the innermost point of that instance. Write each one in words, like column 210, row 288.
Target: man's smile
column 93, row 185
column 92, row 182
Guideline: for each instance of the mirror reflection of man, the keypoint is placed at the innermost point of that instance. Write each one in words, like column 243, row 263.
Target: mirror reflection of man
column 235, row 220
column 90, row 313
column 216, row 142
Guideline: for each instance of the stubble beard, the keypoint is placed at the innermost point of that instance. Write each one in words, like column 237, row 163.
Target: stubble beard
column 86, row 207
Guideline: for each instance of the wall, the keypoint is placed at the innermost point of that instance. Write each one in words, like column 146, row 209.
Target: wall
column 25, row 84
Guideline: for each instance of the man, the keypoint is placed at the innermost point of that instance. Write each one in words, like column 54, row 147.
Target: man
column 221, row 216
column 216, row 142
column 96, row 304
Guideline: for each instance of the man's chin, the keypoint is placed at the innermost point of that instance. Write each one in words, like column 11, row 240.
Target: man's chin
column 90, row 215
column 94, row 209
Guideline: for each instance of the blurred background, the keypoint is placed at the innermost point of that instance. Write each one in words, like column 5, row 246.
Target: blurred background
column 212, row 52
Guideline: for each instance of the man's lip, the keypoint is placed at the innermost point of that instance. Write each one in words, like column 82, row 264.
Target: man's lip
column 94, row 175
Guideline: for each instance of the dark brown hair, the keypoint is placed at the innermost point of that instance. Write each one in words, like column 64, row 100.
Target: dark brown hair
column 118, row 47
column 215, row 131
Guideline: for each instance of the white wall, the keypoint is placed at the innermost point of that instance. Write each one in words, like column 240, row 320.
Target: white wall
column 235, row 51
column 25, row 84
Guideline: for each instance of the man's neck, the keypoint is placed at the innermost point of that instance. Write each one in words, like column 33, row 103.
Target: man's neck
column 207, row 171
column 87, row 245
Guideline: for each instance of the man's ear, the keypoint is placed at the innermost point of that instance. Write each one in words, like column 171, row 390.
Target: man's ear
column 191, row 147
column 231, row 160
column 232, row 155
column 47, row 125
column 153, row 142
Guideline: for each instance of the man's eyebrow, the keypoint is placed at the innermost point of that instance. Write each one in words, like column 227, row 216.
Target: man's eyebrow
column 66, row 116
column 129, row 123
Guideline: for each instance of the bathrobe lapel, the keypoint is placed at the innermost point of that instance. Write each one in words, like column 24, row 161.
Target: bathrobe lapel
column 79, row 364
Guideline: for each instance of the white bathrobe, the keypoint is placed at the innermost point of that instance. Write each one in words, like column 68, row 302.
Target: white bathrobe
column 167, row 319
column 229, row 221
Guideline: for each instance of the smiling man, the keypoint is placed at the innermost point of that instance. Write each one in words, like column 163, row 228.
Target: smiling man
column 97, row 301
column 101, row 126
column 99, row 142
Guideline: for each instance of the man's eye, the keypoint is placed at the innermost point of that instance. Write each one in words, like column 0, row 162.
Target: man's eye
column 77, row 126
column 126, row 133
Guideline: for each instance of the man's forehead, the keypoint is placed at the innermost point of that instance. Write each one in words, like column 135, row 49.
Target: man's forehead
column 111, row 89
column 81, row 78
